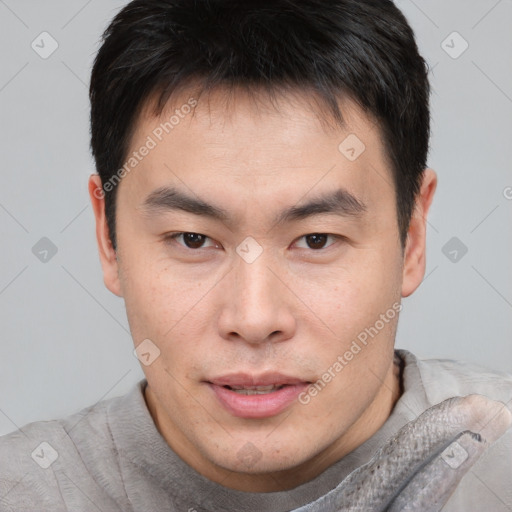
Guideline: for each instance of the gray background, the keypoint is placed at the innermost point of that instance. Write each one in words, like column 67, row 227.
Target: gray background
column 65, row 338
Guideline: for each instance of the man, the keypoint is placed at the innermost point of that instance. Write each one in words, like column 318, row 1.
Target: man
column 260, row 205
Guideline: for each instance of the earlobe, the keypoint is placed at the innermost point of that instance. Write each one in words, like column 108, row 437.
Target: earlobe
column 415, row 248
column 108, row 257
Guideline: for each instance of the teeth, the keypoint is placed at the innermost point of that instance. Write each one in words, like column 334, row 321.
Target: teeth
column 254, row 390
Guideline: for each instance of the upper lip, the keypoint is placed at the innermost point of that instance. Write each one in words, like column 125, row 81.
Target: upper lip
column 245, row 379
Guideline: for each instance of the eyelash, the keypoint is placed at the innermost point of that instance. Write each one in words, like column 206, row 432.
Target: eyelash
column 173, row 236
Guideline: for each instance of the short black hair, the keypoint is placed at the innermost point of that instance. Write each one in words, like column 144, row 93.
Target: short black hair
column 361, row 49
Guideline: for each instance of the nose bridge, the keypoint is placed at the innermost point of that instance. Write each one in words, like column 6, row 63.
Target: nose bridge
column 257, row 306
column 254, row 280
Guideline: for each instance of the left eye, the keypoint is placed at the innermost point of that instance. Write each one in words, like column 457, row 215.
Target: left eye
column 191, row 240
column 316, row 241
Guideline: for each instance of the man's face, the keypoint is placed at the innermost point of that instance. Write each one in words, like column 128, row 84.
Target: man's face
column 247, row 299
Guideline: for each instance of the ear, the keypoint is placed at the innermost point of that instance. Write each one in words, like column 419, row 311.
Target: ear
column 108, row 257
column 415, row 247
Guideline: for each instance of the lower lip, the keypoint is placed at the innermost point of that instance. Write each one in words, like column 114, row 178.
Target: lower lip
column 257, row 406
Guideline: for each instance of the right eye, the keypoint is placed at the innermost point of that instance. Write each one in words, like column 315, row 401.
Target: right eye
column 191, row 240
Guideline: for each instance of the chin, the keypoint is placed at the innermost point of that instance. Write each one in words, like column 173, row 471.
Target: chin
column 251, row 458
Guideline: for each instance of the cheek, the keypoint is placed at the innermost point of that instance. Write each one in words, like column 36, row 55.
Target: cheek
column 346, row 298
column 167, row 307
column 151, row 295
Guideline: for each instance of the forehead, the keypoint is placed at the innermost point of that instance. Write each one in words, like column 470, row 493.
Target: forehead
column 256, row 148
column 251, row 108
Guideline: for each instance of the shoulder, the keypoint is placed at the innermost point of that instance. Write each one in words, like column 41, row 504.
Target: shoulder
column 487, row 484
column 43, row 459
column 26, row 473
column 444, row 378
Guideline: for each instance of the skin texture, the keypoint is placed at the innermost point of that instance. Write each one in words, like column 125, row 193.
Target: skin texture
column 293, row 310
column 419, row 468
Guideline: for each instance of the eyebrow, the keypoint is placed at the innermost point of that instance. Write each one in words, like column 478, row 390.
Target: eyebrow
column 339, row 202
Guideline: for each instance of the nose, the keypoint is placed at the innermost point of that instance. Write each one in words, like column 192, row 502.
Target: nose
column 257, row 305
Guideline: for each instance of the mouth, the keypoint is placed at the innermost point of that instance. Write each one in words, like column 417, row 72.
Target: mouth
column 255, row 390
column 247, row 396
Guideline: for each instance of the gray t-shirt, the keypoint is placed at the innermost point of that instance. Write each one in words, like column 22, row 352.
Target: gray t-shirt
column 111, row 457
